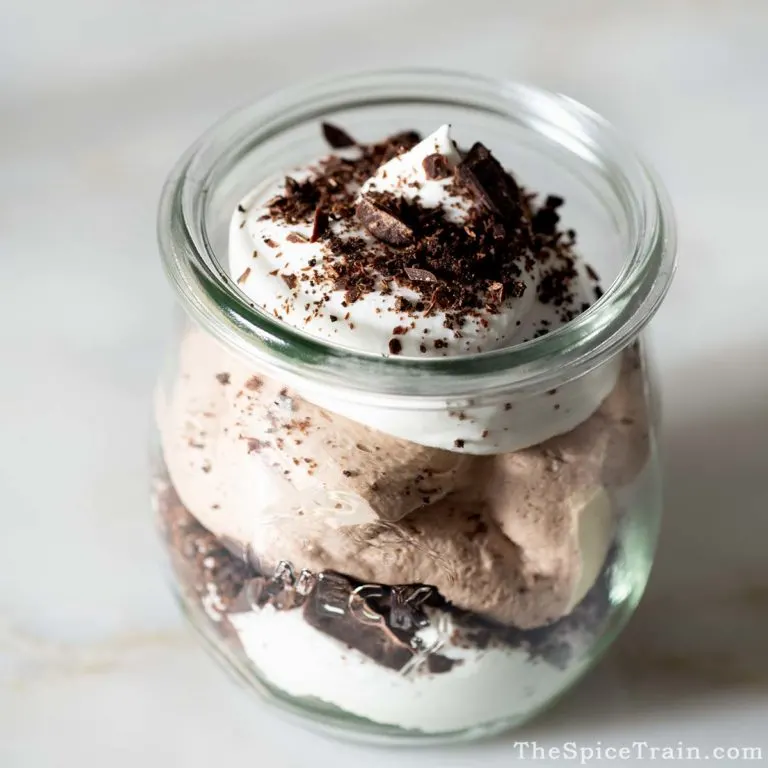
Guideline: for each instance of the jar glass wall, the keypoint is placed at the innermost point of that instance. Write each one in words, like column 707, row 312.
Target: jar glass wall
column 329, row 536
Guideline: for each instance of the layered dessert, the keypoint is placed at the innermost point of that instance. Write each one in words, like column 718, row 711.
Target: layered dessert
column 430, row 565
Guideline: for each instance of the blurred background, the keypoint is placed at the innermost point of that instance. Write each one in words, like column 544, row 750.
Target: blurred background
column 97, row 100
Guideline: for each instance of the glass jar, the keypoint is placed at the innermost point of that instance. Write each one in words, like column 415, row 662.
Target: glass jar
column 324, row 540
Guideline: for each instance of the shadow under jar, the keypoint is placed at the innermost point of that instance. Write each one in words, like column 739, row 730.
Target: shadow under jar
column 400, row 548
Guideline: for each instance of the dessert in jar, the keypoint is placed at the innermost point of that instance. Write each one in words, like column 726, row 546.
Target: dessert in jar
column 406, row 470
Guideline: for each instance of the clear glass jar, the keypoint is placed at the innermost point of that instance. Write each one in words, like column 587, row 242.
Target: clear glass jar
column 355, row 575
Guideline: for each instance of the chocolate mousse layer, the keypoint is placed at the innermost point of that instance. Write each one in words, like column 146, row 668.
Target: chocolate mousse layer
column 518, row 537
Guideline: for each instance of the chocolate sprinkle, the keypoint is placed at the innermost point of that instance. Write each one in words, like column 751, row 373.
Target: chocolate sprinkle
column 337, row 137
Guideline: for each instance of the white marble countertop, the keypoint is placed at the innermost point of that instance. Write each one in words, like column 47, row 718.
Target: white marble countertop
column 96, row 665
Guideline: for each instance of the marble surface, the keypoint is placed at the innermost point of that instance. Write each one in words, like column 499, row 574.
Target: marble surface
column 98, row 99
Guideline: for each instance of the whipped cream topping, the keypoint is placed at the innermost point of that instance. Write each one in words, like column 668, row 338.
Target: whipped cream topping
column 276, row 264
column 267, row 255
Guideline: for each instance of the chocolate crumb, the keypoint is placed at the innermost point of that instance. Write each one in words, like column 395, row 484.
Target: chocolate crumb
column 399, row 330
column 240, row 208
column 333, row 318
column 222, row 378
column 270, row 242
column 591, row 272
column 336, row 137
column 440, row 344
column 291, row 281
column 458, row 443
column 436, row 166
column 496, row 293
column 296, row 237
column 422, row 348
column 554, row 201
column 255, row 383
column 395, row 346
column 598, row 292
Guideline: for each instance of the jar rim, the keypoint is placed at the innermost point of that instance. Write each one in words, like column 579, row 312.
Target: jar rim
column 213, row 299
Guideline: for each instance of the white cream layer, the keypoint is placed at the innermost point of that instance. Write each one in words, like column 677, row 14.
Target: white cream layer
column 488, row 685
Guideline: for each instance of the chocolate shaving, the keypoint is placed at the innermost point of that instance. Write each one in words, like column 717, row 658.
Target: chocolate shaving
column 296, row 237
column 496, row 292
column 319, row 224
column 436, row 166
column 244, row 276
column 336, row 137
column 420, row 275
column 290, row 281
column 482, row 173
column 554, row 201
column 383, row 224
